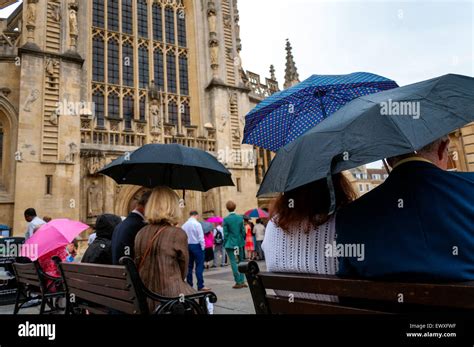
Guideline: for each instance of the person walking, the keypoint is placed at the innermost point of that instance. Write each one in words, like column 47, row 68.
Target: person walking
column 259, row 231
column 249, row 245
column 234, row 241
column 219, row 246
column 196, row 247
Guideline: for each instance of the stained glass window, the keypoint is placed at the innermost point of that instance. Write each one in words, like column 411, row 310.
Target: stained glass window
column 143, row 108
column 98, row 99
column 142, row 18
column 169, row 25
column 171, row 73
column 173, row 113
column 113, row 15
column 127, row 17
column 128, row 111
column 186, row 114
column 98, row 60
column 113, row 62
column 98, row 14
column 143, row 67
column 159, row 70
column 113, row 106
column 181, row 28
column 183, row 76
column 157, row 23
column 127, row 54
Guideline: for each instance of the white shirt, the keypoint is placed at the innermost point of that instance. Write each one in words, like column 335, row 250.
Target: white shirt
column 259, row 230
column 296, row 251
column 195, row 233
column 92, row 237
column 35, row 222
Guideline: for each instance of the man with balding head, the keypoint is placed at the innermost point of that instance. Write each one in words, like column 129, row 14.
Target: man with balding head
column 418, row 225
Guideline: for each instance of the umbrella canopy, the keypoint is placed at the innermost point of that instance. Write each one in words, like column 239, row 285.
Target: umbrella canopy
column 284, row 116
column 174, row 166
column 207, row 227
column 55, row 234
column 256, row 213
column 216, row 219
column 374, row 127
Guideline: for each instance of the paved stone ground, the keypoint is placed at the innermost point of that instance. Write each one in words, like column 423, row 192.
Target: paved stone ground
column 220, row 280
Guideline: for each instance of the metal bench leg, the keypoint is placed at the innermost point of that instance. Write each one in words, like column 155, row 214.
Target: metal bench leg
column 43, row 304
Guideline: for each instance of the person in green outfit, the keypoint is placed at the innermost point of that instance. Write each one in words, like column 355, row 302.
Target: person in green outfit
column 234, row 241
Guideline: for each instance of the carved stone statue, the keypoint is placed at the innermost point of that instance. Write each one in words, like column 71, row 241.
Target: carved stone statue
column 56, row 14
column 51, row 64
column 31, row 13
column 94, row 163
column 54, row 117
column 94, row 200
column 73, row 30
column 156, row 117
column 31, row 99
column 212, row 19
column 208, row 203
column 223, row 122
column 73, row 152
column 214, row 47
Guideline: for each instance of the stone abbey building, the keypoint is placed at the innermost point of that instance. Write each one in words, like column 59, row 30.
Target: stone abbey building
column 83, row 82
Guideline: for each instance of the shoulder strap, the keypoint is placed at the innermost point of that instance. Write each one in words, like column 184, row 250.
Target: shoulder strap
column 149, row 246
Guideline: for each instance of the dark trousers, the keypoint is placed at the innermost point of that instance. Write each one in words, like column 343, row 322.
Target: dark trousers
column 196, row 255
column 260, row 250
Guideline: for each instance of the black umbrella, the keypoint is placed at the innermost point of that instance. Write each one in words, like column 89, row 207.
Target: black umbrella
column 174, row 166
column 373, row 127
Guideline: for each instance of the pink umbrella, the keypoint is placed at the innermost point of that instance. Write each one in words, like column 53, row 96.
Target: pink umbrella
column 257, row 213
column 55, row 234
column 215, row 220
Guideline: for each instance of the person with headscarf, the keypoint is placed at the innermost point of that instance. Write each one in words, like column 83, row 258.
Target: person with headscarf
column 100, row 251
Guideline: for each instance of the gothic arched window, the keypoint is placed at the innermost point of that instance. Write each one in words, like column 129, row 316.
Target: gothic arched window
column 173, row 113
column 98, row 99
column 143, row 108
column 113, row 62
column 171, row 72
column 113, row 15
column 157, row 23
column 169, row 25
column 98, row 60
column 113, row 106
column 128, row 111
column 127, row 65
column 183, row 75
column 1, row 148
column 143, row 67
column 142, row 18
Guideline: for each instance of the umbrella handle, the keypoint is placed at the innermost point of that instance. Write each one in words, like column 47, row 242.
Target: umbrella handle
column 332, row 191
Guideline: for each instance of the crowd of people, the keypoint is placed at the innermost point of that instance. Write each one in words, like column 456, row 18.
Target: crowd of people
column 415, row 226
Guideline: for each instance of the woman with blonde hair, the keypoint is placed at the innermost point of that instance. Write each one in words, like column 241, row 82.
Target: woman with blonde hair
column 161, row 248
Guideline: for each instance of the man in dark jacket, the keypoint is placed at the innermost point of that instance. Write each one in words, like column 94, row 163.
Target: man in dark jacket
column 123, row 240
column 100, row 251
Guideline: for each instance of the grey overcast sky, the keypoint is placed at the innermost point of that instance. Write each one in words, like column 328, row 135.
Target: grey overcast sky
column 407, row 41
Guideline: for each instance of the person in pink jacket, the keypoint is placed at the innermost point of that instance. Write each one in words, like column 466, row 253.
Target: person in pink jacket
column 209, row 250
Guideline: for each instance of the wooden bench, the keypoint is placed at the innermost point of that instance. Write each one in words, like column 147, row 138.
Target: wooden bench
column 355, row 296
column 31, row 278
column 105, row 289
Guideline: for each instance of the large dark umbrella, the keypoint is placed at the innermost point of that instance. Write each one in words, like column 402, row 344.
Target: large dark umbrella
column 371, row 128
column 174, row 166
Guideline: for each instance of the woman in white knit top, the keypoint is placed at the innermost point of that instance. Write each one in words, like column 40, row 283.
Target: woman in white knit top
column 300, row 228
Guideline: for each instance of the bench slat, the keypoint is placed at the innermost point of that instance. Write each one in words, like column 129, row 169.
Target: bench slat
column 94, row 269
column 280, row 305
column 122, row 306
column 25, row 268
column 457, row 295
column 30, row 279
column 94, row 289
column 97, row 280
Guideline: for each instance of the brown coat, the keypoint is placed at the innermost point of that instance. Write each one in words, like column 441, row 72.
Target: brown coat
column 166, row 265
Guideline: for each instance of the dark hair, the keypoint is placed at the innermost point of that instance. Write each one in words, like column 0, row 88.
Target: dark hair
column 259, row 221
column 309, row 204
column 144, row 198
column 231, row 206
column 30, row 212
column 194, row 213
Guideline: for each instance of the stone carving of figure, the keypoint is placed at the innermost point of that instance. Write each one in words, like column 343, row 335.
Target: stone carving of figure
column 223, row 122
column 214, row 45
column 227, row 21
column 73, row 152
column 54, row 117
column 73, row 30
column 94, row 200
column 51, row 64
column 31, row 13
column 94, row 164
column 31, row 99
column 155, row 113
column 208, row 204
column 212, row 17
column 56, row 14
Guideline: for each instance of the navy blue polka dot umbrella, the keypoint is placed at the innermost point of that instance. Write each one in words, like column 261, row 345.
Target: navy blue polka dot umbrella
column 284, row 116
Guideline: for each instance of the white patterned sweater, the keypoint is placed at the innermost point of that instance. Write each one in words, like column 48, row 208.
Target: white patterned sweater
column 296, row 251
